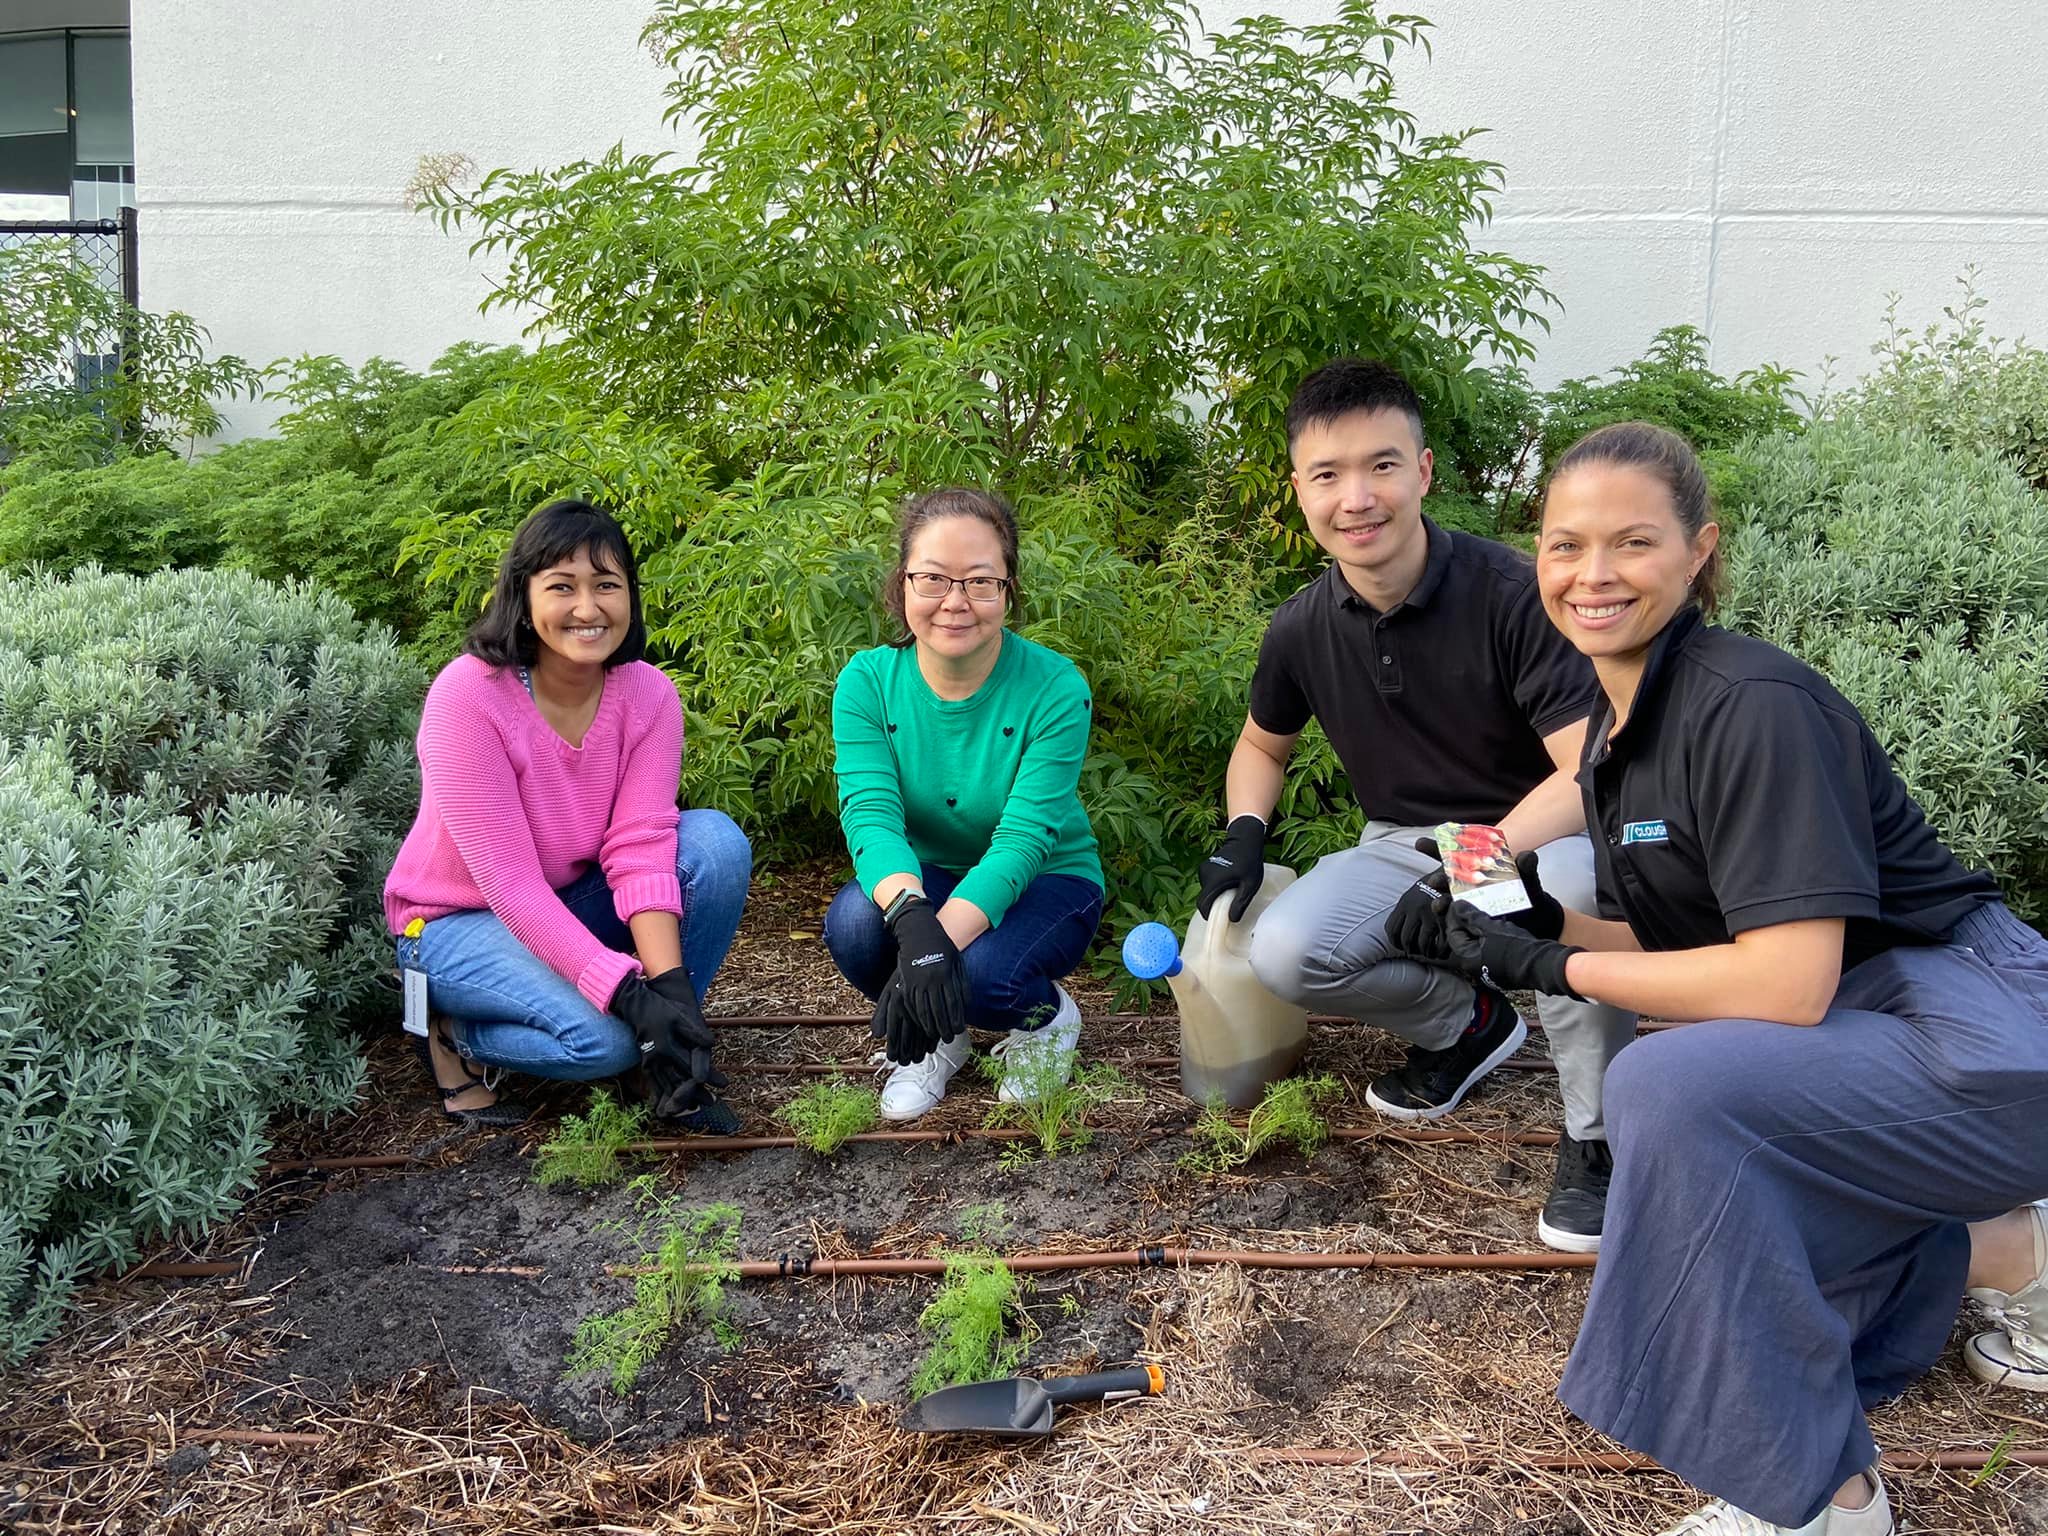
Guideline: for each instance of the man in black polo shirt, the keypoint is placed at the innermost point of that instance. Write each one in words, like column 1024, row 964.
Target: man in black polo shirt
column 1448, row 696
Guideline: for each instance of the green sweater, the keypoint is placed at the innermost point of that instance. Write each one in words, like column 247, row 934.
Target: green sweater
column 985, row 786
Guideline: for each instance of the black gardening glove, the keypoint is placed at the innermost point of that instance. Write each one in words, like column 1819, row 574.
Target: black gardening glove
column 1543, row 918
column 1498, row 953
column 1415, row 926
column 928, row 969
column 904, row 1038
column 674, row 986
column 1238, row 864
column 674, row 1041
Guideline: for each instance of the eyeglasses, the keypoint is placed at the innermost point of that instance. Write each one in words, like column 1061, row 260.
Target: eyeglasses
column 979, row 589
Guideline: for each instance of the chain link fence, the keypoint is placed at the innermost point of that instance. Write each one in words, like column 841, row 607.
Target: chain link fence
column 107, row 249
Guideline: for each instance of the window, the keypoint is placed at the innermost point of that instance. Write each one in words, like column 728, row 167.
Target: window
column 67, row 126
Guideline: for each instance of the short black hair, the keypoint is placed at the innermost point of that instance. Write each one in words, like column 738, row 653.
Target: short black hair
column 1347, row 384
column 503, row 634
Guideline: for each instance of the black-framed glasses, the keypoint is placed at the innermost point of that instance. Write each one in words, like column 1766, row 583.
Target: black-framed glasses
column 979, row 589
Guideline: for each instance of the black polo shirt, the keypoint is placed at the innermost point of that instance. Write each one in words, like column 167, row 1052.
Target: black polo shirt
column 1438, row 707
column 1743, row 791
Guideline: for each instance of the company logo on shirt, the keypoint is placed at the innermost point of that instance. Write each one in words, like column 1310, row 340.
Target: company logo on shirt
column 1644, row 832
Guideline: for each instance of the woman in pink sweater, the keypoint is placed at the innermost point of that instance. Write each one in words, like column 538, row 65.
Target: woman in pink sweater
column 565, row 916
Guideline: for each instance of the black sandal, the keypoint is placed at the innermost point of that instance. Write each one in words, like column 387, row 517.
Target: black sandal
column 502, row 1112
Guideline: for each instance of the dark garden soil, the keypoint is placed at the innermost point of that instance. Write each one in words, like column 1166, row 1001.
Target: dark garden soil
column 416, row 1325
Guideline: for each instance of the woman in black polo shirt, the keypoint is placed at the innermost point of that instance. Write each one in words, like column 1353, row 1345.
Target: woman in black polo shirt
column 1806, row 1179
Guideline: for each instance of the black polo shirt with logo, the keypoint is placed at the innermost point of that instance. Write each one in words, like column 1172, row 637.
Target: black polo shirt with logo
column 1438, row 707
column 1743, row 791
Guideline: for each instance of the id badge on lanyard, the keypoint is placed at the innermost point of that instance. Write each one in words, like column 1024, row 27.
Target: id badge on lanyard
column 415, row 981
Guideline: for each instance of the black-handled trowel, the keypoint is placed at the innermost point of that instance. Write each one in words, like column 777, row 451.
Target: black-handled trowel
column 1021, row 1407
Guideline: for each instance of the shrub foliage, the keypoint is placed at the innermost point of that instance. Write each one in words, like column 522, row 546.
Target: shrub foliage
column 1916, row 579
column 202, row 781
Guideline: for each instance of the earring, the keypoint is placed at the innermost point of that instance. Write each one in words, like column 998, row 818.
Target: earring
column 1688, row 579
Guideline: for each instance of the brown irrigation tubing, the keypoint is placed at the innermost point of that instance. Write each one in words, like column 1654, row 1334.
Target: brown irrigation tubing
column 1134, row 1063
column 1332, row 1456
column 717, row 1144
column 1609, row 1461
column 1158, row 1256
column 821, row 1020
column 789, row 1267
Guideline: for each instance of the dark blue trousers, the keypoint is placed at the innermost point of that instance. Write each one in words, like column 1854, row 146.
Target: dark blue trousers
column 1785, row 1242
column 1010, row 969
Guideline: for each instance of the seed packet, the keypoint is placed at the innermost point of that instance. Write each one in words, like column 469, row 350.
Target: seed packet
column 1481, row 867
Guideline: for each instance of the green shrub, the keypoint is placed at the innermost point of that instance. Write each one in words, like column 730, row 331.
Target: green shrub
column 362, row 458
column 1916, row 579
column 57, row 320
column 1958, row 385
column 202, row 780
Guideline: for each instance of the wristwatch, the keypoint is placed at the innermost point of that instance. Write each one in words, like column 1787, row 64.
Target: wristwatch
column 902, row 899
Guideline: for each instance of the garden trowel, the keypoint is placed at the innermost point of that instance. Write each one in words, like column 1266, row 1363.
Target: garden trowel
column 1021, row 1408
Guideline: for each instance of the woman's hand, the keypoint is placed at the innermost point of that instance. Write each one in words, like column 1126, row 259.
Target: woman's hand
column 675, row 1042
column 1498, row 953
column 928, row 969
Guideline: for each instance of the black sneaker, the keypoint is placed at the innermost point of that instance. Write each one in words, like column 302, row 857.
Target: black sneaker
column 1577, row 1206
column 1433, row 1083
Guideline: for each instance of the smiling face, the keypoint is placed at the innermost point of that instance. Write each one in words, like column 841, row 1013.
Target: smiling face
column 1360, row 478
column 1615, row 562
column 953, row 626
column 580, row 610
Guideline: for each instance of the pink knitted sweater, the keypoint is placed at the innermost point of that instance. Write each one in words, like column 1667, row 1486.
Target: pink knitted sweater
column 510, row 813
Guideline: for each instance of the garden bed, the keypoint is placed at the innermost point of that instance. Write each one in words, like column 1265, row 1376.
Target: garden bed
column 413, row 1327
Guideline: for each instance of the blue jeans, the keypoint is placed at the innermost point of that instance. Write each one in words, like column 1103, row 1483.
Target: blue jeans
column 1010, row 969
column 511, row 1008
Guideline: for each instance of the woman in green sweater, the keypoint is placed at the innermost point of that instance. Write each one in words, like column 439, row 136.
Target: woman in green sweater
column 959, row 747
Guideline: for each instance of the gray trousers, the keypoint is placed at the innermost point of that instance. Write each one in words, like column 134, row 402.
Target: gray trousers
column 1786, row 1238
column 1323, row 946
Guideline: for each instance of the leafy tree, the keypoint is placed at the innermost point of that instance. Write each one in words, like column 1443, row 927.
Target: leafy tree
column 57, row 320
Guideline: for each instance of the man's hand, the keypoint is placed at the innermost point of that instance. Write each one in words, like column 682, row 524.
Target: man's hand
column 1238, row 864
column 1415, row 925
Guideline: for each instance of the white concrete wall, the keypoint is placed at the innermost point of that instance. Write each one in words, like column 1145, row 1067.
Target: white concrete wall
column 1763, row 171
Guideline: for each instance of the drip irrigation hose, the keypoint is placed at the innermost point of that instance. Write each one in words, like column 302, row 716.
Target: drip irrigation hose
column 1132, row 1063
column 1166, row 1016
column 718, row 1144
column 1608, row 1461
column 1906, row 1460
column 1154, row 1256
column 792, row 1267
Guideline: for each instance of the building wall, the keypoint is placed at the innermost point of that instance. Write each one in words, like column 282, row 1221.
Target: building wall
column 1765, row 172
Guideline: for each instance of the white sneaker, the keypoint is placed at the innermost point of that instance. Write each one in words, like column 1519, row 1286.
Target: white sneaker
column 2016, row 1353
column 917, row 1088
column 1038, row 1060
column 1721, row 1518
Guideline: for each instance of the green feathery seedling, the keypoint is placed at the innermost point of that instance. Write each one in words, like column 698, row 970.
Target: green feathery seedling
column 1054, row 1107
column 688, row 1263
column 828, row 1112
column 585, row 1150
column 1290, row 1111
column 967, row 1320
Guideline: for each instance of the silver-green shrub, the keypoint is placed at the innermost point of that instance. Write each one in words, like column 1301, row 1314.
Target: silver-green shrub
column 202, row 780
column 1916, row 578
